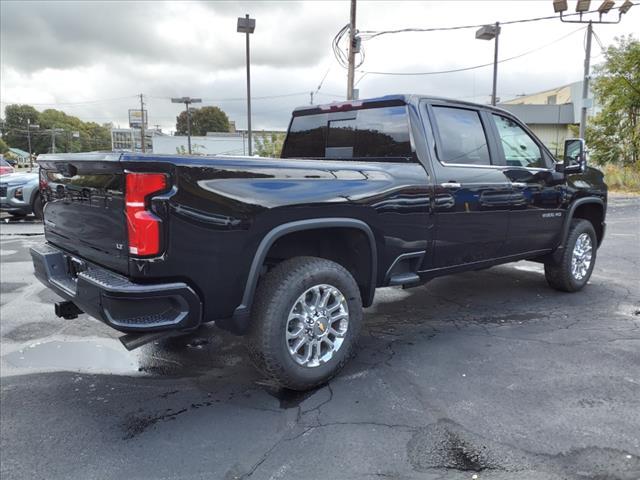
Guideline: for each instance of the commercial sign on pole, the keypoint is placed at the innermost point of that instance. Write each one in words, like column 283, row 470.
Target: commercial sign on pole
column 135, row 118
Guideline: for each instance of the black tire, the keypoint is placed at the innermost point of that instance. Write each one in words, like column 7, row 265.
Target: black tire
column 558, row 270
column 276, row 295
column 17, row 214
column 37, row 206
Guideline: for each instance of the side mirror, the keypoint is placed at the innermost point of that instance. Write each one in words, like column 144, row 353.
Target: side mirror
column 575, row 156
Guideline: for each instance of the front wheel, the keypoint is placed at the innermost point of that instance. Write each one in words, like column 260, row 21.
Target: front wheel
column 573, row 269
column 38, row 207
column 307, row 317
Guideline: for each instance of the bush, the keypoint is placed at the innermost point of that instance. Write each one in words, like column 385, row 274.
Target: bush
column 622, row 178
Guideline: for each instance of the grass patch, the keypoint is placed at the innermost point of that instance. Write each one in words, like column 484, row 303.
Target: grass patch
column 621, row 178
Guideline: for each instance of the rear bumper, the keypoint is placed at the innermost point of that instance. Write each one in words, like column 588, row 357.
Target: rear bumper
column 113, row 299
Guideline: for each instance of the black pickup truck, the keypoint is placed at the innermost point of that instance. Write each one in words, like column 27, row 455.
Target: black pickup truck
column 389, row 191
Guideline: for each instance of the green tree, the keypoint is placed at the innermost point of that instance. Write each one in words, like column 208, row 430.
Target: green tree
column 269, row 145
column 16, row 119
column 72, row 134
column 4, row 148
column 203, row 120
column 614, row 133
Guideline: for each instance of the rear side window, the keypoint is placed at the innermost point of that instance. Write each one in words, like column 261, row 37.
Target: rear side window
column 462, row 137
column 520, row 150
column 375, row 133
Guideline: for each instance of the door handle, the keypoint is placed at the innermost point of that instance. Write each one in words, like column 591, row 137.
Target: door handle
column 450, row 185
column 519, row 184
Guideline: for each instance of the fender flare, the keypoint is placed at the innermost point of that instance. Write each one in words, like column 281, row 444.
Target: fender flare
column 242, row 312
column 570, row 213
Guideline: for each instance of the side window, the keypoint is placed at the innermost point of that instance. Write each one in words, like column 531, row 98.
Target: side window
column 520, row 150
column 462, row 137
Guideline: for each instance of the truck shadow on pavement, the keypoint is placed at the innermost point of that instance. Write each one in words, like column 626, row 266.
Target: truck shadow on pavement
column 174, row 387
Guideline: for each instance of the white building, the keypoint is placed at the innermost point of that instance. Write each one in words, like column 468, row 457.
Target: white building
column 215, row 143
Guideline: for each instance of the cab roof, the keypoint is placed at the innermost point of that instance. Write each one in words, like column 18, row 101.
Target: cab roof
column 386, row 100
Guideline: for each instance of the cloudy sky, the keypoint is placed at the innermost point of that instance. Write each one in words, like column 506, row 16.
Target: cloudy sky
column 91, row 58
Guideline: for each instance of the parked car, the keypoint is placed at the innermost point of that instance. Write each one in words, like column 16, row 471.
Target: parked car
column 20, row 194
column 5, row 166
column 394, row 190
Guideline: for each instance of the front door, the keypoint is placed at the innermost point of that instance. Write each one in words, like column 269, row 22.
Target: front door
column 472, row 194
column 536, row 217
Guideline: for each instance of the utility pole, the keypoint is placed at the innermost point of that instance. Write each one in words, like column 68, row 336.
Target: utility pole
column 29, row 127
column 142, row 142
column 585, row 83
column 311, row 95
column 352, row 50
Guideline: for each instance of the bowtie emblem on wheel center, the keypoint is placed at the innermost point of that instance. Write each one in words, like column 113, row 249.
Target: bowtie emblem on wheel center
column 321, row 326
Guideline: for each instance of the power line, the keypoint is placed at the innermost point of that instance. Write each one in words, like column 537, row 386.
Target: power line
column 474, row 67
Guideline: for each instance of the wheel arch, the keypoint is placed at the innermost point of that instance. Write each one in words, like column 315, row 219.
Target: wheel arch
column 591, row 209
column 242, row 312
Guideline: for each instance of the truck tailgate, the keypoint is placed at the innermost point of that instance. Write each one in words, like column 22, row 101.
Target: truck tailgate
column 84, row 213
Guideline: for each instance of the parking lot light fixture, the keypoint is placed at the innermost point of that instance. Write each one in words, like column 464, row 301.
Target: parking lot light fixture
column 606, row 6
column 583, row 6
column 560, row 6
column 626, row 6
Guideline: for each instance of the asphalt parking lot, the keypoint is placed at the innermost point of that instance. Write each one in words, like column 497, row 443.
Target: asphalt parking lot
column 488, row 373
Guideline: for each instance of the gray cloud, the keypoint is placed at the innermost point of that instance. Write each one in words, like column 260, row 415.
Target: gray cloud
column 39, row 35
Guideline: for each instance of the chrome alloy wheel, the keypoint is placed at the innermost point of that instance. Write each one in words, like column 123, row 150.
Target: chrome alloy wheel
column 581, row 256
column 317, row 325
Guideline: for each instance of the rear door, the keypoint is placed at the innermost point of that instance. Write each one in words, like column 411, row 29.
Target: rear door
column 472, row 193
column 84, row 213
column 536, row 217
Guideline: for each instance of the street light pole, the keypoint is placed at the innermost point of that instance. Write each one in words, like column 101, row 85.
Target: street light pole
column 247, row 26
column 142, row 123
column 492, row 32
column 585, row 83
column 188, row 127
column 495, row 65
column 187, row 101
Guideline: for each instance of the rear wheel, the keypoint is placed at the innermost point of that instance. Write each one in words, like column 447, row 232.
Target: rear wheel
column 307, row 316
column 573, row 269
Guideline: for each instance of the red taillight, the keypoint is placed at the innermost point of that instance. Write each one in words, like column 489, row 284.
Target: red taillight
column 143, row 225
column 43, row 180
